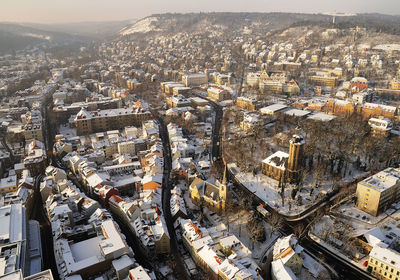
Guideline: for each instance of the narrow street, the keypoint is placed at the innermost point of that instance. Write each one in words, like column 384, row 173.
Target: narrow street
column 166, row 196
column 39, row 214
column 131, row 239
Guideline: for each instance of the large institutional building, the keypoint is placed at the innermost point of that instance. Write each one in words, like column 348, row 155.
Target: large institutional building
column 285, row 167
column 193, row 80
column 87, row 122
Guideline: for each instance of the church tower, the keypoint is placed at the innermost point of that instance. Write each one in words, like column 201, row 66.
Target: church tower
column 223, row 192
column 295, row 157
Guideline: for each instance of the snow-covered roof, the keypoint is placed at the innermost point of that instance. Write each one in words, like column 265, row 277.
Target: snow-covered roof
column 386, row 255
column 273, row 108
column 380, row 123
column 374, row 236
column 277, row 160
column 210, row 257
column 139, row 273
column 12, row 221
column 320, row 116
column 297, row 113
column 280, row 271
column 383, row 180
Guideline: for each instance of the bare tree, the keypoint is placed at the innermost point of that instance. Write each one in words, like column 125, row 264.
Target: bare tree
column 276, row 222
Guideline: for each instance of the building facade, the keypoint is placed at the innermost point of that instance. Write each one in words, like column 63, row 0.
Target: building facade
column 376, row 193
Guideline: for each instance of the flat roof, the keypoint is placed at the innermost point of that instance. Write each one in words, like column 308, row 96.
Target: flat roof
column 383, row 180
column 320, row 116
column 273, row 108
column 297, row 113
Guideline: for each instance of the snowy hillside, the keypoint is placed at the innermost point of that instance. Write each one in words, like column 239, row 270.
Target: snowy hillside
column 142, row 26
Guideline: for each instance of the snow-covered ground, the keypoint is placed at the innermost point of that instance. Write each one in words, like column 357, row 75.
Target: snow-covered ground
column 387, row 47
column 67, row 131
column 142, row 26
column 361, row 221
column 237, row 226
column 267, row 190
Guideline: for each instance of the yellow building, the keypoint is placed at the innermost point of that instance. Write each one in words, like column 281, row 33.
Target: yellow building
column 395, row 84
column 218, row 93
column 291, row 88
column 324, row 81
column 8, row 184
column 209, row 195
column 223, row 79
column 380, row 127
column 87, row 122
column 376, row 193
column 33, row 131
column 246, row 103
column 384, row 263
column 271, row 87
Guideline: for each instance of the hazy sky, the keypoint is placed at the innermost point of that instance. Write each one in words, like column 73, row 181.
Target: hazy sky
column 52, row 11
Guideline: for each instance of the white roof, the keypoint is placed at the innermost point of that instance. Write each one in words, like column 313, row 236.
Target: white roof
column 123, row 262
column 282, row 272
column 374, row 236
column 8, row 182
column 320, row 116
column 297, row 112
column 273, row 108
column 386, row 255
column 383, row 180
column 277, row 160
column 140, row 274
column 113, row 242
column 208, row 255
column 12, row 221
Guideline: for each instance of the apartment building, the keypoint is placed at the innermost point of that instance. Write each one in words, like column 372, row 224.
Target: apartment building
column 246, row 103
column 13, row 239
column 220, row 254
column 271, row 87
column 376, row 193
column 32, row 131
column 324, row 81
column 87, row 122
column 218, row 94
column 144, row 220
column 253, row 79
column 384, row 263
column 375, row 110
column 194, row 80
column 339, row 107
column 380, row 127
column 358, row 84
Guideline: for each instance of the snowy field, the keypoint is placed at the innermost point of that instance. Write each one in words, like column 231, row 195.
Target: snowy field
column 267, row 190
